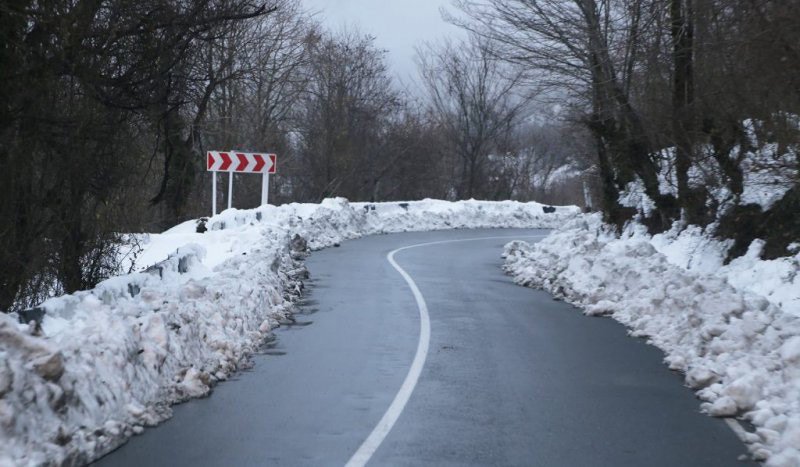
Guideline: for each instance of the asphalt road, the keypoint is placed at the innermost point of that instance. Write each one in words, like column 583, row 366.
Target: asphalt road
column 511, row 377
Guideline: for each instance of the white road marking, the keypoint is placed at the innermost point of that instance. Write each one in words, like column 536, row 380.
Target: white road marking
column 384, row 426
column 738, row 429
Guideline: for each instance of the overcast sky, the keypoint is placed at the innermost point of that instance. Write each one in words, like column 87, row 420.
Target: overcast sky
column 398, row 26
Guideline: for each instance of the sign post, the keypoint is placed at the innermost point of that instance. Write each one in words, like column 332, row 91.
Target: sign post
column 240, row 162
column 214, row 195
column 230, row 190
column 265, row 188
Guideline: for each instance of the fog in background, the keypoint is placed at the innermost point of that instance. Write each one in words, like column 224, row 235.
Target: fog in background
column 398, row 26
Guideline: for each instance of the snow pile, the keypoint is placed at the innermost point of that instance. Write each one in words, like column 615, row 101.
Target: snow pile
column 692, row 248
column 104, row 363
column 738, row 349
column 111, row 360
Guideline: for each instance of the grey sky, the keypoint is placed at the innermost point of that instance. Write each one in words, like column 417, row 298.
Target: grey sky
column 398, row 26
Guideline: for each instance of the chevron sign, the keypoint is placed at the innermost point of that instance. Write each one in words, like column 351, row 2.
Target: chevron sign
column 240, row 162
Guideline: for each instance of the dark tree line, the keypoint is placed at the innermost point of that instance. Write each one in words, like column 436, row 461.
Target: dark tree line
column 87, row 86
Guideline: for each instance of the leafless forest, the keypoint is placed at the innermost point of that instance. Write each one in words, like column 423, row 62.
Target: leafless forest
column 107, row 108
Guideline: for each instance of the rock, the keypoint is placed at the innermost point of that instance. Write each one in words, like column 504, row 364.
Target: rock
column 298, row 243
column 50, row 367
column 183, row 265
column 32, row 314
column 201, row 225
column 548, row 209
column 62, row 437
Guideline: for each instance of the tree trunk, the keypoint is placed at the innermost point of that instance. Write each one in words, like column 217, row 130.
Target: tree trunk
column 618, row 127
column 682, row 32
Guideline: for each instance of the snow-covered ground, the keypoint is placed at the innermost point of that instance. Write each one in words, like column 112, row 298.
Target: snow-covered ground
column 769, row 170
column 105, row 363
column 733, row 330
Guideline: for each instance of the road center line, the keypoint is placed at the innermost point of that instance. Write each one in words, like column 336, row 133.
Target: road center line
column 384, row 426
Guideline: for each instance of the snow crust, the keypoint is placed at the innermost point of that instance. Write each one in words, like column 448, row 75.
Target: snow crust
column 107, row 362
column 734, row 331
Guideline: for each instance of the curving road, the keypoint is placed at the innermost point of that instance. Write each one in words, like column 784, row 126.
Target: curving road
column 508, row 376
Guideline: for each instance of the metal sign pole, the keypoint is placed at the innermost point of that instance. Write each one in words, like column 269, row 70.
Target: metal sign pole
column 214, row 194
column 265, row 189
column 230, row 189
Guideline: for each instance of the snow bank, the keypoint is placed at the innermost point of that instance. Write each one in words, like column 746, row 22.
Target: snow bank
column 233, row 231
column 694, row 249
column 112, row 359
column 104, row 363
column 739, row 349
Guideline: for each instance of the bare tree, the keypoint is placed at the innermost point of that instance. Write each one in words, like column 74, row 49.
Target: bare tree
column 87, row 79
column 346, row 106
column 687, row 76
column 193, row 69
column 585, row 50
column 478, row 100
column 254, row 108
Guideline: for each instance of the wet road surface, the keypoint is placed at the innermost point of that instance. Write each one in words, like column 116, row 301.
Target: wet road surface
column 511, row 377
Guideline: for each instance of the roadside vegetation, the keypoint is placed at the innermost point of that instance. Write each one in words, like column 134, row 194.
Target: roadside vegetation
column 692, row 104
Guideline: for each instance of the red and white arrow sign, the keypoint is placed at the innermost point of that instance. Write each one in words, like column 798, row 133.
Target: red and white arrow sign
column 240, row 162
